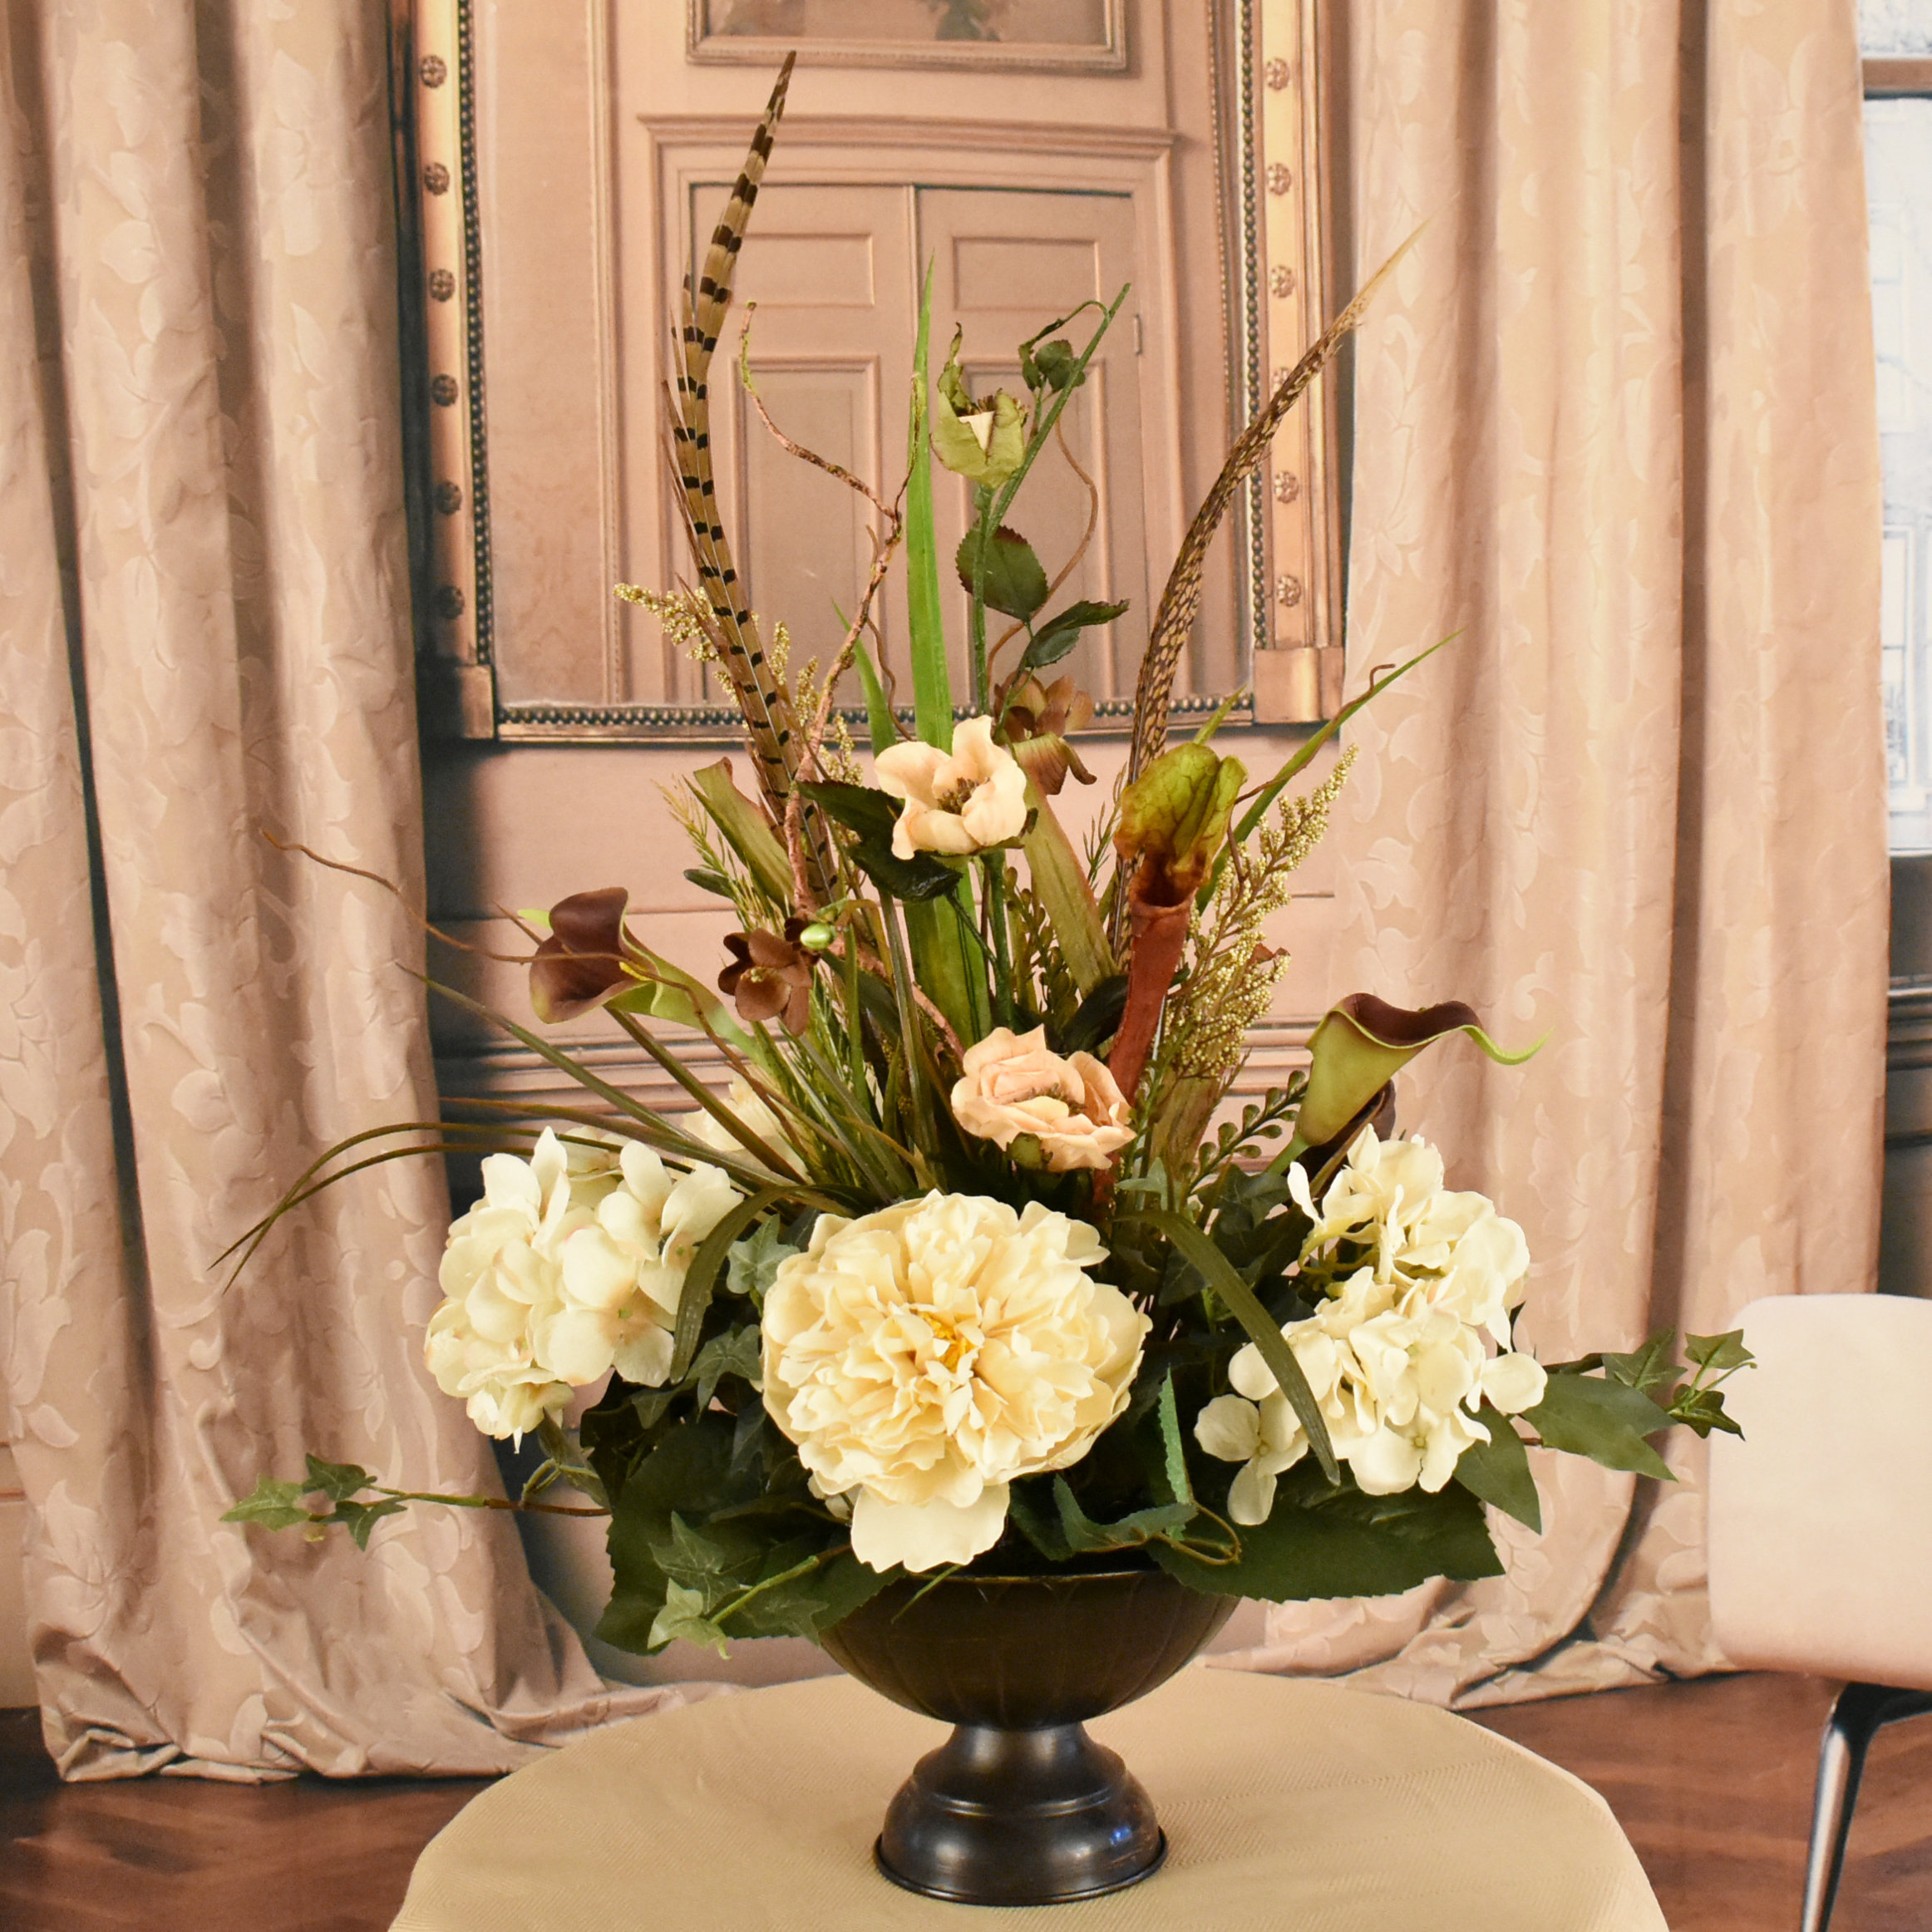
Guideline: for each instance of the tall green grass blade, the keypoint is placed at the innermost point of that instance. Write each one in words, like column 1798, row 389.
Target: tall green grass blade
column 932, row 686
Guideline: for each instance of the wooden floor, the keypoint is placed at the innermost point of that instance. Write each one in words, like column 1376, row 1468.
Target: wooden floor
column 1712, row 1780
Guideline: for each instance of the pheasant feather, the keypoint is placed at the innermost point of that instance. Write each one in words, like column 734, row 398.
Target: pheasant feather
column 770, row 724
column 1181, row 601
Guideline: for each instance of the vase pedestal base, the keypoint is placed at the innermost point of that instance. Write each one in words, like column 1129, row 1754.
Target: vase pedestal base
column 1034, row 1817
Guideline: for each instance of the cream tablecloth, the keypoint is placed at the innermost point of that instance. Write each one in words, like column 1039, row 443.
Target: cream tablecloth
column 1287, row 1804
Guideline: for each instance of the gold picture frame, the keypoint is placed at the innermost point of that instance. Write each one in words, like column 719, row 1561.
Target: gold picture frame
column 704, row 44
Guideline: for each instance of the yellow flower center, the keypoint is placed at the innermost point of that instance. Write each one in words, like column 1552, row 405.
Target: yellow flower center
column 956, row 1344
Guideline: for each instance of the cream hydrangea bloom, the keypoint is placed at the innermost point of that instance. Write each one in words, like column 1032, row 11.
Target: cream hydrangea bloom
column 571, row 1265
column 924, row 1356
column 1011, row 1085
column 1397, row 1356
column 957, row 801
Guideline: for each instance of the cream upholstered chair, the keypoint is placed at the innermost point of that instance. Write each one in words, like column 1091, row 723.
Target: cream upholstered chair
column 1821, row 1528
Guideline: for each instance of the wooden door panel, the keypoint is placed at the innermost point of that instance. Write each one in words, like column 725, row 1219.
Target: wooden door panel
column 1005, row 263
column 826, row 279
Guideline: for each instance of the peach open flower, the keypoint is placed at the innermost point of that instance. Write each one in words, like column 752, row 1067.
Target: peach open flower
column 1014, row 1086
column 965, row 799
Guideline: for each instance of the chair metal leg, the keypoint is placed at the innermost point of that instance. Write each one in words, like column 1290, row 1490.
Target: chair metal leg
column 1861, row 1709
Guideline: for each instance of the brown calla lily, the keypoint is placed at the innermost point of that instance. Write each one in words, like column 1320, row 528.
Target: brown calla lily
column 770, row 977
column 1038, row 718
column 581, row 963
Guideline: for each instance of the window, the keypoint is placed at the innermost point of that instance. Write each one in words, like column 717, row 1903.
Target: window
column 1896, row 39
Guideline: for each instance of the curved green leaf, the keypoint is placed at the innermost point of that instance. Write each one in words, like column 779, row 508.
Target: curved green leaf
column 701, row 1277
column 1194, row 1247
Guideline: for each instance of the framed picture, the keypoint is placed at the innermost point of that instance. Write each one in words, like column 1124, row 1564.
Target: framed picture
column 1086, row 35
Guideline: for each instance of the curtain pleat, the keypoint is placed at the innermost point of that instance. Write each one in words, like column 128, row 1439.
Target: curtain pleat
column 203, row 577
column 1616, row 428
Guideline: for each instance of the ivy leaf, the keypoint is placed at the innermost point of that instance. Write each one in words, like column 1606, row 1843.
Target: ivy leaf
column 361, row 1518
column 739, row 1353
column 683, row 1616
column 1719, row 1354
column 1012, row 580
column 1653, row 1366
column 1702, row 1409
column 1607, row 1420
column 275, row 1505
column 809, row 1605
column 337, row 1480
column 752, row 1264
column 1498, row 1471
column 693, row 1560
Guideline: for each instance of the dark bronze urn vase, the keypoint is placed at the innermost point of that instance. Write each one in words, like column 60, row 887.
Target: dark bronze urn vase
column 1020, row 1807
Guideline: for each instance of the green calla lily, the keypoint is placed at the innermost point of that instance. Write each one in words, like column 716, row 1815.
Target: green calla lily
column 1361, row 1043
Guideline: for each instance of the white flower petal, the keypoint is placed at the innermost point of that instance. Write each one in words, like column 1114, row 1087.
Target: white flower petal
column 1514, row 1382
column 1229, row 1428
column 921, row 1536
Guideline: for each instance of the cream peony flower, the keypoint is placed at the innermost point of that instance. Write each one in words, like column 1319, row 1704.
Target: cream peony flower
column 924, row 1356
column 1397, row 1355
column 1012, row 1085
column 572, row 1263
column 962, row 801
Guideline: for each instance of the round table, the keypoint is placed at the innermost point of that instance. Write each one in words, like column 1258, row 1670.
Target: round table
column 1286, row 1803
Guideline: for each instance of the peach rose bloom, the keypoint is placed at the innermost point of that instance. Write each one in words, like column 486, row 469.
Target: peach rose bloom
column 963, row 800
column 1012, row 1085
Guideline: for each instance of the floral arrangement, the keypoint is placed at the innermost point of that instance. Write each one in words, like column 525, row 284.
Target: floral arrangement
column 968, row 1269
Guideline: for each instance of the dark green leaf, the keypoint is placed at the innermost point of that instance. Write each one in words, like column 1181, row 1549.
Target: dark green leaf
column 1194, row 1247
column 275, row 1505
column 1039, row 1528
column 872, row 815
column 1589, row 1415
column 1498, row 1471
column 1348, row 1545
column 1061, row 632
column 1056, row 365
column 336, row 1481
column 707, row 880
column 1132, row 1530
column 701, row 1277
column 1098, row 1018
column 1012, row 579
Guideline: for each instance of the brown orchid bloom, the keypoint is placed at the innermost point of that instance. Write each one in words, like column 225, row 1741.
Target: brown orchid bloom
column 1038, row 717
column 581, row 963
column 770, row 976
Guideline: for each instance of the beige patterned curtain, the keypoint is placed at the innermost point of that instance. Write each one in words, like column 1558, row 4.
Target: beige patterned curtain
column 1616, row 425
column 204, row 608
